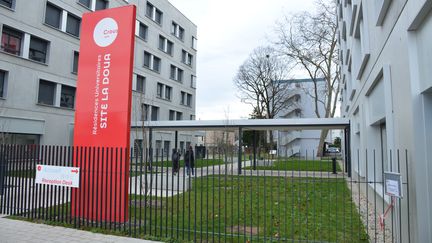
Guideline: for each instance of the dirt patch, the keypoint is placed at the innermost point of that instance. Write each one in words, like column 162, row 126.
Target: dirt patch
column 242, row 229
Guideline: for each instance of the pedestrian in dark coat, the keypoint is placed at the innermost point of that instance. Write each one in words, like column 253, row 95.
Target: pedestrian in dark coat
column 175, row 160
column 190, row 160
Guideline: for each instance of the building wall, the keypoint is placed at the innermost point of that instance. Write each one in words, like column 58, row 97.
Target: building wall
column 386, row 94
column 303, row 143
column 20, row 111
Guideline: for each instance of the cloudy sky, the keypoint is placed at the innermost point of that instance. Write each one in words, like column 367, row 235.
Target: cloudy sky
column 228, row 31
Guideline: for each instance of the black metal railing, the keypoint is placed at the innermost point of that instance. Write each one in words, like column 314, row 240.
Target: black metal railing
column 293, row 199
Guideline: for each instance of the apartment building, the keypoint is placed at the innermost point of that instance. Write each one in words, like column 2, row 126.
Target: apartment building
column 302, row 143
column 39, row 63
column 387, row 94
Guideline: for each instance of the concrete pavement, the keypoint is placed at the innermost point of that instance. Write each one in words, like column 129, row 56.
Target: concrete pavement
column 17, row 231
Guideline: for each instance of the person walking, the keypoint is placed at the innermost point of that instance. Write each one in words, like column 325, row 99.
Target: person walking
column 175, row 160
column 189, row 161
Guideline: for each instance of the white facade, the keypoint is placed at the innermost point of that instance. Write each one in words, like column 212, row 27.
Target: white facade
column 38, row 72
column 302, row 143
column 385, row 49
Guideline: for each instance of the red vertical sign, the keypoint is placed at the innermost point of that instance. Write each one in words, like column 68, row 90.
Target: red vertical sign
column 102, row 116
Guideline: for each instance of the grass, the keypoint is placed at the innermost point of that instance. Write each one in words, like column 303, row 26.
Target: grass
column 198, row 163
column 22, row 173
column 299, row 165
column 280, row 208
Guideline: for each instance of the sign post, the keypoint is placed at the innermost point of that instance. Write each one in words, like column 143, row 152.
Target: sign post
column 102, row 116
column 393, row 188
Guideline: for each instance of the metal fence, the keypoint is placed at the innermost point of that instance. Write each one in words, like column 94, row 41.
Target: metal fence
column 273, row 199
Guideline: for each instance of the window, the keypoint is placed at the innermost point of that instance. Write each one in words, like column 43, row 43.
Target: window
column 168, row 90
column 158, row 17
column 192, row 117
column 11, row 41
column 85, row 3
column 143, row 31
column 171, row 115
column 153, row 13
column 194, row 43
column 151, row 61
column 147, row 59
column 101, row 4
column 156, row 63
column 189, row 100
column 158, row 146
column 177, row 30
column 182, row 98
column 173, row 72
column 179, row 75
column 2, row 83
column 73, row 25
column 67, row 97
column 166, row 147
column 7, row 3
column 154, row 113
column 161, row 43
column 140, row 84
column 159, row 90
column 176, row 73
column 169, row 47
column 53, row 15
column 75, row 62
column 149, row 10
column 187, row 57
column 179, row 116
column 38, row 49
column 165, row 45
column 193, row 81
column 46, row 92
column 144, row 112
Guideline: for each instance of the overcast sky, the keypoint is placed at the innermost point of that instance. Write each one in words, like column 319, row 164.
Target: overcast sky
column 228, row 31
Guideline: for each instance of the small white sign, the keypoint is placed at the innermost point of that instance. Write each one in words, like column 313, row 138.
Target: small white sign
column 393, row 184
column 57, row 175
column 392, row 187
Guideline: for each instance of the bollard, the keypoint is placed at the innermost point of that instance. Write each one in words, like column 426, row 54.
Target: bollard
column 334, row 165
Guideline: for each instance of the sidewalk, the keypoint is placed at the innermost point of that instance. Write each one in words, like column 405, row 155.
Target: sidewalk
column 17, row 231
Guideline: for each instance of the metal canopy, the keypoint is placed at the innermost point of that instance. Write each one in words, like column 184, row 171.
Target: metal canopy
column 252, row 124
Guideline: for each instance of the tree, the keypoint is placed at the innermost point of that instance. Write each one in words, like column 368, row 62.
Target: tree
column 337, row 142
column 257, row 83
column 310, row 40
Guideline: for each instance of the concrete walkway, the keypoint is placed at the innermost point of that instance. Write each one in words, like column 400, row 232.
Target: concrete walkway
column 14, row 231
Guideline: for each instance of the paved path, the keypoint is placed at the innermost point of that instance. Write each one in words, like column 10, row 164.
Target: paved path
column 16, row 231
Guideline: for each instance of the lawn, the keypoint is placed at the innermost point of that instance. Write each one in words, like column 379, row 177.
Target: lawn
column 218, row 208
column 22, row 173
column 299, row 165
column 198, row 163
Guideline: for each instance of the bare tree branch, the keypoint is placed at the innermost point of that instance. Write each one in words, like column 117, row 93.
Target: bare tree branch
column 257, row 82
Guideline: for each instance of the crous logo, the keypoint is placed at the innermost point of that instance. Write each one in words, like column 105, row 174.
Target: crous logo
column 105, row 32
